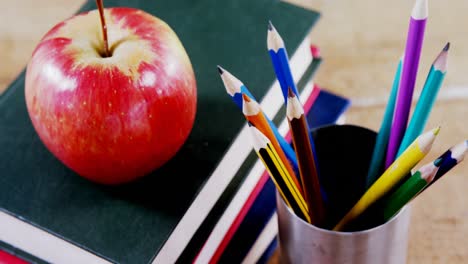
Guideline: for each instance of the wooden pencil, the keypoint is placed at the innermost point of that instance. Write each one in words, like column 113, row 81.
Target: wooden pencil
column 450, row 159
column 380, row 147
column 307, row 169
column 255, row 116
column 408, row 78
column 392, row 176
column 279, row 174
column 235, row 88
column 280, row 61
column 426, row 99
column 410, row 189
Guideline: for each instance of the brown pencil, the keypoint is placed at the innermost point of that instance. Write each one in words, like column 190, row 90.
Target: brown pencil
column 252, row 112
column 307, row 168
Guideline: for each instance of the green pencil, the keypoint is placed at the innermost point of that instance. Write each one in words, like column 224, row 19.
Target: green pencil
column 380, row 147
column 426, row 100
column 410, row 189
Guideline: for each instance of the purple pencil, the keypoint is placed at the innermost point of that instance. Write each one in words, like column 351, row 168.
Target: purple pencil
column 408, row 77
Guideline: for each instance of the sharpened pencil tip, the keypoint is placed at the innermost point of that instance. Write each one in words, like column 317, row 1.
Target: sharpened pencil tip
column 270, row 25
column 438, row 162
column 246, row 98
column 220, row 70
column 436, row 131
column 447, row 46
column 290, row 93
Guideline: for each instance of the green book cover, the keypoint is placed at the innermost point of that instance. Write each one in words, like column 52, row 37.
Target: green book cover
column 154, row 218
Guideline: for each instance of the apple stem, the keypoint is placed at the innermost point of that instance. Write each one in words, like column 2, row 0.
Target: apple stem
column 103, row 27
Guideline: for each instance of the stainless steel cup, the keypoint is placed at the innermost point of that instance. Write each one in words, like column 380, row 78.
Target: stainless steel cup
column 301, row 242
column 343, row 154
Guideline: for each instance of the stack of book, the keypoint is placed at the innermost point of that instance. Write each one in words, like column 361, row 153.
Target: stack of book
column 218, row 206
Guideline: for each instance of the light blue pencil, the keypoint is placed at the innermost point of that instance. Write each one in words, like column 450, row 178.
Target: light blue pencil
column 426, row 100
column 380, row 147
column 235, row 88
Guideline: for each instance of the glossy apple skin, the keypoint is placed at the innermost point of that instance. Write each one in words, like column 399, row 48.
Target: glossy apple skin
column 112, row 119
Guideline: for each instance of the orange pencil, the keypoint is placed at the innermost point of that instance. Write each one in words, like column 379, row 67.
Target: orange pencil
column 252, row 112
column 307, row 168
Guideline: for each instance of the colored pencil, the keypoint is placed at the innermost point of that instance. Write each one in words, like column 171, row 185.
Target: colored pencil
column 235, row 88
column 426, row 100
column 280, row 61
column 253, row 113
column 410, row 189
column 307, row 170
column 392, row 176
column 450, row 159
column 408, row 77
column 279, row 174
column 380, row 147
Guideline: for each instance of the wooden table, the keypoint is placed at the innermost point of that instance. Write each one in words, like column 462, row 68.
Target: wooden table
column 361, row 44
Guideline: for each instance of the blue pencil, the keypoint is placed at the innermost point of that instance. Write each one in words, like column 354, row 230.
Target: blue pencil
column 380, row 147
column 426, row 100
column 280, row 61
column 235, row 88
column 450, row 159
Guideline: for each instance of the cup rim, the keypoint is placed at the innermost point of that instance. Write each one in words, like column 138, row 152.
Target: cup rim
column 407, row 207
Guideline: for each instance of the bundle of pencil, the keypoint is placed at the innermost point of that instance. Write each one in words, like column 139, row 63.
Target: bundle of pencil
column 398, row 148
column 252, row 112
column 235, row 88
column 392, row 176
column 423, row 178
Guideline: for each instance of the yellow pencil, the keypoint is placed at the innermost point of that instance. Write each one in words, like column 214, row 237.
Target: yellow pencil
column 396, row 172
column 279, row 174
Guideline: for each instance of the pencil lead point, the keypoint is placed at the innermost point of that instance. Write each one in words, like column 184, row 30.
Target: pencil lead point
column 438, row 162
column 290, row 93
column 270, row 25
column 447, row 46
column 220, row 70
column 436, row 131
column 246, row 98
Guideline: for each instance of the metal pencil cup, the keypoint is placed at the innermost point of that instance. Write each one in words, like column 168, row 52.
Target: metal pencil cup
column 343, row 154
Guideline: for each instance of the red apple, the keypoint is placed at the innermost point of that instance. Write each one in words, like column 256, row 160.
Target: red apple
column 111, row 118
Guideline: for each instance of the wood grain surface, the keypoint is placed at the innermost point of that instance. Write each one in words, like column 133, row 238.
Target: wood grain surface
column 361, row 41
